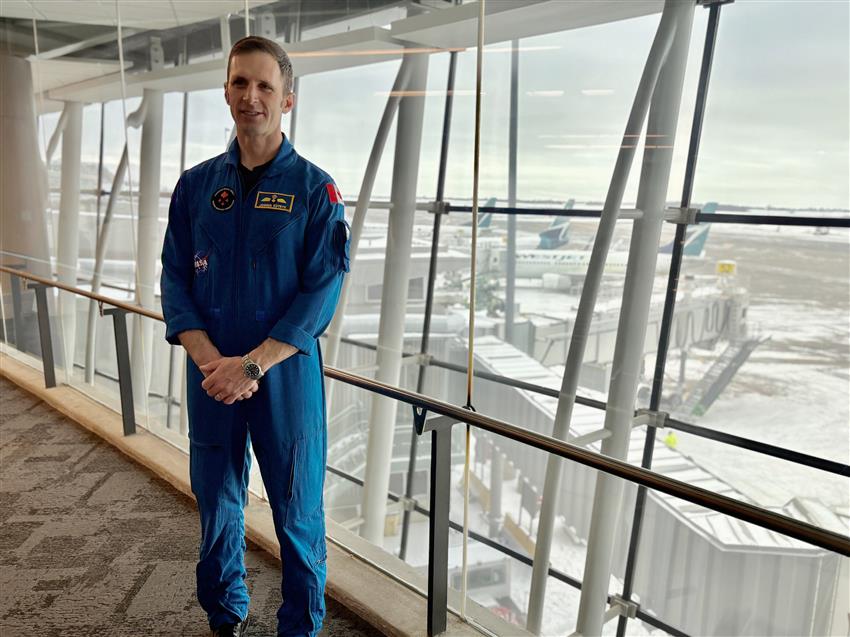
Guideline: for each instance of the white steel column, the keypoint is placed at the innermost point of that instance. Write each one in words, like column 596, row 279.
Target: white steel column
column 394, row 298
column 634, row 316
column 581, row 327
column 334, row 330
column 23, row 179
column 147, row 241
column 68, row 232
column 134, row 120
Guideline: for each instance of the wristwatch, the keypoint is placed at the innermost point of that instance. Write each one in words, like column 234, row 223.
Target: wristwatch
column 251, row 369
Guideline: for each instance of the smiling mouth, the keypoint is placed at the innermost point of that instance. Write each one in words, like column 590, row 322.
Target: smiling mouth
column 251, row 113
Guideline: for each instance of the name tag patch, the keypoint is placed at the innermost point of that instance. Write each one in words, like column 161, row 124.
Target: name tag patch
column 274, row 201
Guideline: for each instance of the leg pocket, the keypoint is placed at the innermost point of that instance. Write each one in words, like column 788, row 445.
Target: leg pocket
column 306, row 479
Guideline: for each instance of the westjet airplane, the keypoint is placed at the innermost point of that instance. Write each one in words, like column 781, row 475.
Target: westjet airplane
column 534, row 264
column 558, row 233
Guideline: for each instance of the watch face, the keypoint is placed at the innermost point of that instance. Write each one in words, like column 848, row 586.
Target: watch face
column 252, row 370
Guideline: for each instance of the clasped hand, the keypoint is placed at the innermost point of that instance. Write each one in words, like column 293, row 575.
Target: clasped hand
column 226, row 381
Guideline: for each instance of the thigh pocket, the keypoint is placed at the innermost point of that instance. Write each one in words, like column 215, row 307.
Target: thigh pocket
column 306, row 479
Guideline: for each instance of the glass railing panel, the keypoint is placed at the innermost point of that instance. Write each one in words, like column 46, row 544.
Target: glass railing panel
column 707, row 573
column 759, row 348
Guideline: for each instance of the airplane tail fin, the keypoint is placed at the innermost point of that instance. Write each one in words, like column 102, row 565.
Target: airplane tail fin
column 485, row 218
column 695, row 237
column 558, row 232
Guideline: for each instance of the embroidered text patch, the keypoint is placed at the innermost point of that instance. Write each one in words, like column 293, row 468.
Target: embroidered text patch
column 274, row 201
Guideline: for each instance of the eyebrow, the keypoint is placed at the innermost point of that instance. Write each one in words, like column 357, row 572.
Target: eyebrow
column 237, row 78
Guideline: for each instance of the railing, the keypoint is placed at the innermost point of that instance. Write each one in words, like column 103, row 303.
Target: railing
column 447, row 415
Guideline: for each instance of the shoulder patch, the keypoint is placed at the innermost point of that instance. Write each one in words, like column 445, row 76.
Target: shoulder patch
column 274, row 201
column 223, row 199
column 334, row 194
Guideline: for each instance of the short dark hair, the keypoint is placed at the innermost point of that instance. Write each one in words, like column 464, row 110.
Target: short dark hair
column 256, row 43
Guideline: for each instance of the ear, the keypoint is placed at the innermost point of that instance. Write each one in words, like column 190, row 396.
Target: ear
column 288, row 103
column 226, row 94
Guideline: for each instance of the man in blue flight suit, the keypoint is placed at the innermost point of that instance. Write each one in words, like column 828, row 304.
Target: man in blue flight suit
column 254, row 255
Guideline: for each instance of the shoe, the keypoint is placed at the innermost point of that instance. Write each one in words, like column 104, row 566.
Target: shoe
column 231, row 630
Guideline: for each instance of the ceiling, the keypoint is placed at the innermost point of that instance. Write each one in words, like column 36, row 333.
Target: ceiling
column 80, row 32
column 150, row 14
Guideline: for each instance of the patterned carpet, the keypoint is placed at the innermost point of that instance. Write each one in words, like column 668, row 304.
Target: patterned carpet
column 93, row 544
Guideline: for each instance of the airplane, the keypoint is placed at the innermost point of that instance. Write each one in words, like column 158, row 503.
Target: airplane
column 485, row 222
column 489, row 237
column 558, row 233
column 536, row 264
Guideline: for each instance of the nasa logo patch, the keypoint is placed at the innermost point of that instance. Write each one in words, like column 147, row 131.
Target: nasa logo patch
column 202, row 263
column 223, row 199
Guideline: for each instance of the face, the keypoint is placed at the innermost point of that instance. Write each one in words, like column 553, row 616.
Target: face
column 254, row 92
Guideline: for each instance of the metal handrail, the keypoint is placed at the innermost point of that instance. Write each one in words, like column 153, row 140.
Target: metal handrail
column 770, row 520
column 129, row 307
column 774, row 451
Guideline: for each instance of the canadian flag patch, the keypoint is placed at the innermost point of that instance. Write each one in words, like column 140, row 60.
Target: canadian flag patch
column 334, row 194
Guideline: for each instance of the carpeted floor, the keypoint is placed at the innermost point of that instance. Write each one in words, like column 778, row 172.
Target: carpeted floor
column 93, row 544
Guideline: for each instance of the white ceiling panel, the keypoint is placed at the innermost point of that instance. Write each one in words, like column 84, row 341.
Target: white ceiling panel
column 352, row 48
column 147, row 14
column 50, row 74
column 504, row 20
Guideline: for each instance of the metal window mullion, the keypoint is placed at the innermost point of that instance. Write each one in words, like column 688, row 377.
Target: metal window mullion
column 670, row 304
column 429, row 296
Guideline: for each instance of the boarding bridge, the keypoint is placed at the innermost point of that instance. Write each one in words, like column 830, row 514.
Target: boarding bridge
column 691, row 546
column 704, row 315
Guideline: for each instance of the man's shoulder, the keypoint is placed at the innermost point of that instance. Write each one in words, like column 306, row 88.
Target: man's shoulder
column 314, row 177
column 211, row 165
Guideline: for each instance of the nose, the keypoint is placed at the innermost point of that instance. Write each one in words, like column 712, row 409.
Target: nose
column 251, row 93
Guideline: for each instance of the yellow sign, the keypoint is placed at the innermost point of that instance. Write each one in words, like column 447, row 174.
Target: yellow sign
column 274, row 201
column 726, row 267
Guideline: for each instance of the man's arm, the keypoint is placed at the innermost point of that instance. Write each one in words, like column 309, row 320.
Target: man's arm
column 199, row 347
column 178, row 271
column 326, row 262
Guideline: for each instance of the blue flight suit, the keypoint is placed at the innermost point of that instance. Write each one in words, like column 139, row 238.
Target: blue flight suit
column 244, row 267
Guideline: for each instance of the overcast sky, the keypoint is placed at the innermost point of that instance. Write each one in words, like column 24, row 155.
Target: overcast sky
column 776, row 130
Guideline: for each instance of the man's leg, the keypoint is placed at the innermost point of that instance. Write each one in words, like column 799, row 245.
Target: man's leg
column 219, row 469
column 293, row 474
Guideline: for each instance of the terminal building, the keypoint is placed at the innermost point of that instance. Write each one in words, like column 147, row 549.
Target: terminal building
column 589, row 373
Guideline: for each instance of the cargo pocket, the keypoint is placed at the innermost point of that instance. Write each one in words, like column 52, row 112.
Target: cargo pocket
column 340, row 253
column 306, row 481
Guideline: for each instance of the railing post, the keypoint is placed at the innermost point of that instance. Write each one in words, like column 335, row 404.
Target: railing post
column 43, row 333
column 438, row 526
column 17, row 305
column 122, row 350
column 438, row 520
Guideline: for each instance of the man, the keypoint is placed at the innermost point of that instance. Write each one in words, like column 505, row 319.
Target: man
column 253, row 260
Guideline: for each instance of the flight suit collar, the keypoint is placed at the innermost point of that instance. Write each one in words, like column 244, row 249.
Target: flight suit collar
column 285, row 157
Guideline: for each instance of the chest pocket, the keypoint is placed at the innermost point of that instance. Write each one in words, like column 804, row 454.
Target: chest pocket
column 275, row 244
column 212, row 261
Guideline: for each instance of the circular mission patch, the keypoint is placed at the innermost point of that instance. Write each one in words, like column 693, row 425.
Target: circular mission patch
column 223, row 199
